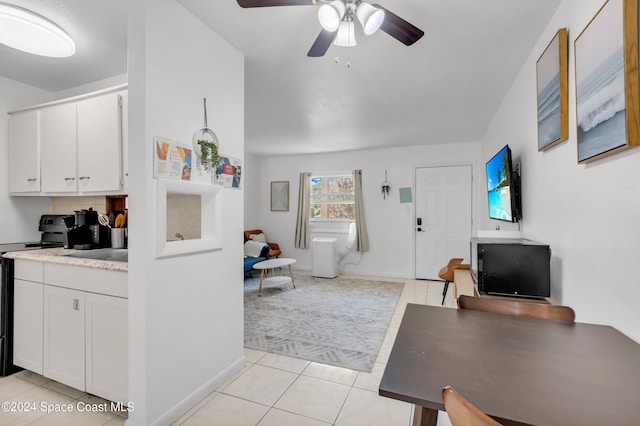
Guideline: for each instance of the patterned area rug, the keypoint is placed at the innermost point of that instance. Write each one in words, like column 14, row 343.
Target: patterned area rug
column 337, row 321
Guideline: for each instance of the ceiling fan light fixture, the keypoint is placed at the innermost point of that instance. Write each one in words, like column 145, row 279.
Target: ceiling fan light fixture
column 346, row 35
column 370, row 17
column 25, row 30
column 330, row 15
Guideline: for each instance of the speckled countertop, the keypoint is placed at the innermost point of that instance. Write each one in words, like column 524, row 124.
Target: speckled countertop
column 56, row 255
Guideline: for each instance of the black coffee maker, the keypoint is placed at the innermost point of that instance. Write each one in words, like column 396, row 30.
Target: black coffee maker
column 86, row 233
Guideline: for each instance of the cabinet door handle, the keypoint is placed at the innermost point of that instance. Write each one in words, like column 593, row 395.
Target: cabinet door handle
column 69, row 178
column 84, row 177
column 76, row 304
column 32, row 180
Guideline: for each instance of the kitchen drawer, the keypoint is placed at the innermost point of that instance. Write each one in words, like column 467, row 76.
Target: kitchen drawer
column 101, row 281
column 29, row 270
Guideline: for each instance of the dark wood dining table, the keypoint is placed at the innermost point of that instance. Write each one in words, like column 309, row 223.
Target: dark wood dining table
column 518, row 370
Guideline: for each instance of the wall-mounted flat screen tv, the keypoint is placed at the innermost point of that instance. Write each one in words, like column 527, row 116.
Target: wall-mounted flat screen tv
column 503, row 187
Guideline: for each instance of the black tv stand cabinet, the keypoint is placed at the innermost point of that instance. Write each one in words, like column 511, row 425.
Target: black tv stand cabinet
column 508, row 267
column 464, row 283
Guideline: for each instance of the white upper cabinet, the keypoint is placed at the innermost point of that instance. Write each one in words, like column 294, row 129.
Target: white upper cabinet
column 58, row 148
column 99, row 143
column 24, row 157
column 69, row 147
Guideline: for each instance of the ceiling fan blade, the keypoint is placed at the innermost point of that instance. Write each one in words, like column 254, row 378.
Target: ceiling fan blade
column 269, row 3
column 322, row 43
column 398, row 28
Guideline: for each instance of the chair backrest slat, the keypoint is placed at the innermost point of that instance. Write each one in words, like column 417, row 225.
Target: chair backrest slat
column 516, row 307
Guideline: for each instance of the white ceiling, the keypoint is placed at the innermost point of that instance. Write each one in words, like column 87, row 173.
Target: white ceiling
column 99, row 29
column 443, row 89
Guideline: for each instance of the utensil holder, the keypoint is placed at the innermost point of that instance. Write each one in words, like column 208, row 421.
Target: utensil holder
column 117, row 237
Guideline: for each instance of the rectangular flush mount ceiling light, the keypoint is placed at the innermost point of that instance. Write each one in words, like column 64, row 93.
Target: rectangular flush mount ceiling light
column 27, row 31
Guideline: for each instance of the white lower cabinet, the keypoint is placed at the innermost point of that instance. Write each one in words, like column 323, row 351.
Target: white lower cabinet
column 106, row 346
column 73, row 336
column 64, row 336
column 86, row 341
column 28, row 325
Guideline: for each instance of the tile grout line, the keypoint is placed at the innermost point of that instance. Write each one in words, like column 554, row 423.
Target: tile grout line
column 342, row 406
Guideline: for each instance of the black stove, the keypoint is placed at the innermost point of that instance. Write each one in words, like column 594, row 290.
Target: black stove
column 35, row 245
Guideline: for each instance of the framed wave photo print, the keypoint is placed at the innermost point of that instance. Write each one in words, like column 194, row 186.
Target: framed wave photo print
column 552, row 79
column 607, row 96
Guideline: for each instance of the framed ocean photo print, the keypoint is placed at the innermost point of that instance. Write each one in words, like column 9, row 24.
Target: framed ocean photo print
column 280, row 196
column 607, row 97
column 552, row 79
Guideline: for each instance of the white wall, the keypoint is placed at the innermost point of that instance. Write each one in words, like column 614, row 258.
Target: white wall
column 20, row 215
column 588, row 214
column 105, row 83
column 253, row 178
column 390, row 223
column 185, row 312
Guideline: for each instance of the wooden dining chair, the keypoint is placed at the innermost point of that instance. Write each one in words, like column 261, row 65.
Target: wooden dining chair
column 516, row 307
column 463, row 413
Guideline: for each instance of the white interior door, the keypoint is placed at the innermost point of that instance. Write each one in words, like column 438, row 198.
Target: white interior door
column 443, row 217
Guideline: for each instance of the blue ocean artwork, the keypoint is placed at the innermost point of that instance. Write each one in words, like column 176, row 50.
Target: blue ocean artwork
column 601, row 108
column 549, row 113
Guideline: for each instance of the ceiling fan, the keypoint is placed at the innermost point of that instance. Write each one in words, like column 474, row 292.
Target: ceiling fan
column 337, row 20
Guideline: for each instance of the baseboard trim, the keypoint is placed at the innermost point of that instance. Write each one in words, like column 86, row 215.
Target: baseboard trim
column 182, row 407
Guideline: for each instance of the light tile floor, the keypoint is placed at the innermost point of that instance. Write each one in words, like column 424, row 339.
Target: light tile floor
column 30, row 399
column 273, row 390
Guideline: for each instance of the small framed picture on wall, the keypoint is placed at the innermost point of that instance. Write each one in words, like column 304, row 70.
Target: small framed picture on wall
column 280, row 196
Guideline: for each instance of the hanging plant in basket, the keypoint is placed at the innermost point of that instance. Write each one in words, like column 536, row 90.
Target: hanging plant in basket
column 205, row 145
column 208, row 155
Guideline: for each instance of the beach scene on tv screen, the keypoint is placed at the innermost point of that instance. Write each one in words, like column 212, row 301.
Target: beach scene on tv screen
column 499, row 191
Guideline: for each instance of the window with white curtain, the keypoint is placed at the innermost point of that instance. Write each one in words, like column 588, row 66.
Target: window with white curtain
column 332, row 198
